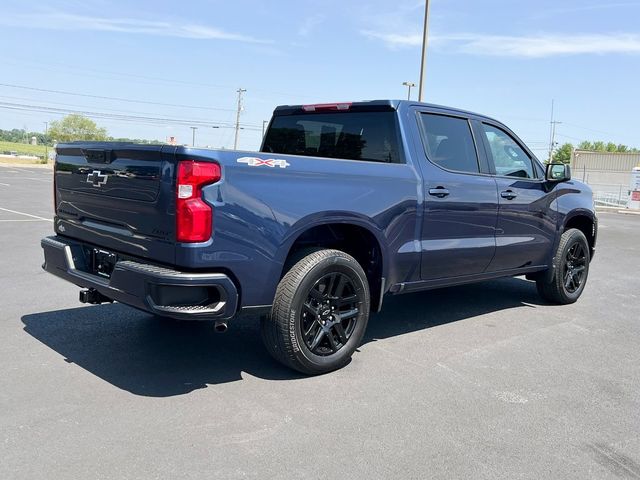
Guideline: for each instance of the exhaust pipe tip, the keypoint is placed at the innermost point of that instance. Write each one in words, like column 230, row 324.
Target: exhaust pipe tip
column 221, row 326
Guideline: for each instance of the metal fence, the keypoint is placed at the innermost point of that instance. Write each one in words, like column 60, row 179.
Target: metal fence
column 610, row 195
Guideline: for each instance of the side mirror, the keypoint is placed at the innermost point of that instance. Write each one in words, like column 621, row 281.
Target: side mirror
column 558, row 172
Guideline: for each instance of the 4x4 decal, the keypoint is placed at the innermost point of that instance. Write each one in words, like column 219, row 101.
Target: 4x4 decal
column 259, row 162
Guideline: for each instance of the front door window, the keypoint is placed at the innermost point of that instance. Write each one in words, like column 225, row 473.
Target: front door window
column 509, row 158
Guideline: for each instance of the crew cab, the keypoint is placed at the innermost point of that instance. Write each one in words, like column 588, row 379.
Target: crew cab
column 344, row 204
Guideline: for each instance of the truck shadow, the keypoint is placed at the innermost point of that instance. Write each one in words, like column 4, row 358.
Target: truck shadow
column 156, row 357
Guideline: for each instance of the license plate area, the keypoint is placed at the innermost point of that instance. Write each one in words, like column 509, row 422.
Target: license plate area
column 102, row 262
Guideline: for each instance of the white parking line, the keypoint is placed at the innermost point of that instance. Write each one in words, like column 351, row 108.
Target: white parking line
column 26, row 214
column 23, row 220
column 5, row 184
column 32, row 178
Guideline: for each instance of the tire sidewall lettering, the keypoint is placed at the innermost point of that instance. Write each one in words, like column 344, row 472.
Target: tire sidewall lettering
column 292, row 331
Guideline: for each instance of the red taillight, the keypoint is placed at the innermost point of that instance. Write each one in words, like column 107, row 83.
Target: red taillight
column 194, row 217
column 326, row 106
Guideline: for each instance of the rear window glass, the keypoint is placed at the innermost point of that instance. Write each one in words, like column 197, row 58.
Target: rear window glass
column 371, row 136
column 449, row 143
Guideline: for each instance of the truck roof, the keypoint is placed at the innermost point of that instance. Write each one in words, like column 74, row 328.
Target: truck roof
column 371, row 105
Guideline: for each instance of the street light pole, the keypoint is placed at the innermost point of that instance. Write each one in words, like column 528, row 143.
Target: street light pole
column 409, row 85
column 423, row 62
column 193, row 136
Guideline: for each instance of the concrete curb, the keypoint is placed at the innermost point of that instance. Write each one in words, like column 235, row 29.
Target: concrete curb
column 617, row 210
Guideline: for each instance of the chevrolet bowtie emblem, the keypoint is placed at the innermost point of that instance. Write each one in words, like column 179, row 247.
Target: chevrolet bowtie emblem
column 97, row 179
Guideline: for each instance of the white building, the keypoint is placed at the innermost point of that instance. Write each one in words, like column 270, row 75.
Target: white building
column 608, row 174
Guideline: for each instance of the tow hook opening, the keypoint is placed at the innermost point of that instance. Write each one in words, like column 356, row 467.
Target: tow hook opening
column 93, row 297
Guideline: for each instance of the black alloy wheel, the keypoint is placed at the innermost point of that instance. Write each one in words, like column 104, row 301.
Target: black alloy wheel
column 574, row 267
column 330, row 314
column 319, row 314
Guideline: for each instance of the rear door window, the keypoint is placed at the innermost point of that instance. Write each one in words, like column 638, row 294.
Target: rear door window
column 370, row 136
column 449, row 142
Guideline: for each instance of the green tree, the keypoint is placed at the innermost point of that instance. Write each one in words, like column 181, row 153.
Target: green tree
column 606, row 147
column 563, row 154
column 76, row 127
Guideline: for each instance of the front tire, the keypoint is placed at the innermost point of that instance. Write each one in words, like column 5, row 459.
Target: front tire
column 319, row 313
column 571, row 269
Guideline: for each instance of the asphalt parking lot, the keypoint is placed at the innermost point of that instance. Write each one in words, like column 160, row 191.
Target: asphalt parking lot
column 481, row 381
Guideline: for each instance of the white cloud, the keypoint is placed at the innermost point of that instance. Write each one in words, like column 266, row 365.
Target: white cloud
column 545, row 45
column 531, row 46
column 394, row 40
column 68, row 21
column 549, row 12
column 309, row 24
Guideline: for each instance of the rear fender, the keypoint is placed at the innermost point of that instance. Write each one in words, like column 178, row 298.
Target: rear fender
column 327, row 218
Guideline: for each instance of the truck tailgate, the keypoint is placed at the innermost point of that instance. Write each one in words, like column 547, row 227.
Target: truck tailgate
column 117, row 196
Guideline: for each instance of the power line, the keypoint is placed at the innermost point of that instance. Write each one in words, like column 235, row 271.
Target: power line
column 569, row 137
column 114, row 116
column 75, row 107
column 119, row 99
column 588, row 129
column 83, row 72
column 101, row 74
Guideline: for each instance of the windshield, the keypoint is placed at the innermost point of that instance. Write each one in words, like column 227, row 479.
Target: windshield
column 371, row 136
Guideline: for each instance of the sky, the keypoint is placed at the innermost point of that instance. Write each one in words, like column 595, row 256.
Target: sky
column 151, row 69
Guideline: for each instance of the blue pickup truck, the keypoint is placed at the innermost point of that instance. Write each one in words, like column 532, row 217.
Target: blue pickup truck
column 344, row 204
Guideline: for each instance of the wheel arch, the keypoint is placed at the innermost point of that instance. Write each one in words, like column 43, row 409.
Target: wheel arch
column 586, row 222
column 354, row 235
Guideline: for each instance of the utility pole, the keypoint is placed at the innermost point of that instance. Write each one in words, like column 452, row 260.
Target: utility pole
column 409, row 85
column 240, row 92
column 46, row 141
column 552, row 133
column 193, row 136
column 423, row 63
column 553, row 139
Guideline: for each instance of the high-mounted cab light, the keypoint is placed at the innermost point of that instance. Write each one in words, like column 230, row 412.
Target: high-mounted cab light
column 326, row 106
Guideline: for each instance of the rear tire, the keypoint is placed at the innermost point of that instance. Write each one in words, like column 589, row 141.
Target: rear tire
column 319, row 314
column 571, row 263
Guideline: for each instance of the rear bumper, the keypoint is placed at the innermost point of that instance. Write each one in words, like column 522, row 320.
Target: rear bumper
column 158, row 290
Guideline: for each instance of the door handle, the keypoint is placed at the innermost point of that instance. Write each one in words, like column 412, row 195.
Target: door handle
column 439, row 192
column 508, row 194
